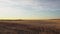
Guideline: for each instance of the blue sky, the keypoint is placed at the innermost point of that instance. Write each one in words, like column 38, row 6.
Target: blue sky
column 30, row 9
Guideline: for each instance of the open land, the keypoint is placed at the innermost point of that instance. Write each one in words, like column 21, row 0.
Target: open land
column 30, row 26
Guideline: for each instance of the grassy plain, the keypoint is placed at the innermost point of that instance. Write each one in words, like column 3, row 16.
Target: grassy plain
column 30, row 26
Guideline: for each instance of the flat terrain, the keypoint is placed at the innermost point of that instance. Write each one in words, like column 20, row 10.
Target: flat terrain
column 29, row 26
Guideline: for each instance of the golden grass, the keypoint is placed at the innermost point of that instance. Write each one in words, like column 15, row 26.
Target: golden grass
column 30, row 26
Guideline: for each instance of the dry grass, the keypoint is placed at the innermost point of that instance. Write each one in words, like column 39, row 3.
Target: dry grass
column 29, row 27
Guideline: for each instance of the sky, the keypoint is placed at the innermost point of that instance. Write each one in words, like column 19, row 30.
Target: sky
column 29, row 9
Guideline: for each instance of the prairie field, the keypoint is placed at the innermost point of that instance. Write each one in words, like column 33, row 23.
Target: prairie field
column 29, row 26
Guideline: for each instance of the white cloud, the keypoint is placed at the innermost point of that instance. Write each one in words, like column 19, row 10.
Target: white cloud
column 7, row 9
column 32, row 4
column 38, row 4
column 26, row 7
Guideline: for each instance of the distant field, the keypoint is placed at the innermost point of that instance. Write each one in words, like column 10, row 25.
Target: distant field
column 54, row 20
column 29, row 26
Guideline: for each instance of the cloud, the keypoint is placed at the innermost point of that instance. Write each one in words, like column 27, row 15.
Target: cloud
column 27, row 8
column 32, row 4
column 8, row 9
column 51, row 4
column 37, row 4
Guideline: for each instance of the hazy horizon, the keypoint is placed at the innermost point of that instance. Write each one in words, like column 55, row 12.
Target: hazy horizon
column 29, row 9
